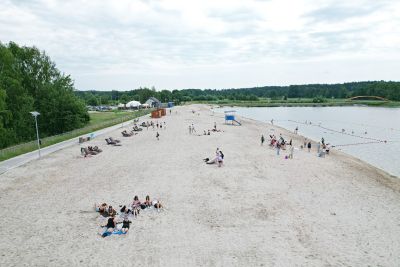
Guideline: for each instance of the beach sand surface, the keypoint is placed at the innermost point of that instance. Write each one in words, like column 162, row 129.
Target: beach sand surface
column 258, row 209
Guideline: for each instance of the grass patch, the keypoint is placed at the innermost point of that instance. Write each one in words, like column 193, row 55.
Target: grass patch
column 98, row 120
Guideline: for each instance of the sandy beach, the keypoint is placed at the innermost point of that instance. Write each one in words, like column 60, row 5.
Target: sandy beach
column 258, row 209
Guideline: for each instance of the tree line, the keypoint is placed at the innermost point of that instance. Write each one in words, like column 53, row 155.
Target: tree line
column 386, row 89
column 30, row 81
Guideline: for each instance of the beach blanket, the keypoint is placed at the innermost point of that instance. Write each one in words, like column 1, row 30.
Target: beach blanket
column 115, row 232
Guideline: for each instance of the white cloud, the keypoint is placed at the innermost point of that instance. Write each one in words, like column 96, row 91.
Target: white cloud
column 214, row 44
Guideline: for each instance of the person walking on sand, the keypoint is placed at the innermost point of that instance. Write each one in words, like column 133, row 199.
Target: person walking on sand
column 296, row 130
column 262, row 139
column 291, row 152
column 309, row 146
column 158, row 136
column 215, row 126
column 190, row 129
column 193, row 130
column 278, row 148
column 157, row 124
column 272, row 121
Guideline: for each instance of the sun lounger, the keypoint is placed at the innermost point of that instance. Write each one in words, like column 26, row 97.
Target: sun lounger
column 94, row 149
column 114, row 140
column 109, row 142
column 137, row 129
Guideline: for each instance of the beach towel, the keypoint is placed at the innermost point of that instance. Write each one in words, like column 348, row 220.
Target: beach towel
column 115, row 232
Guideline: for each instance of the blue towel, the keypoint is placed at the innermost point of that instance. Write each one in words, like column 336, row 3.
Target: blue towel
column 115, row 232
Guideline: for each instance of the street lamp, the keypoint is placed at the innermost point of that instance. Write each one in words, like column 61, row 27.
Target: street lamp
column 35, row 114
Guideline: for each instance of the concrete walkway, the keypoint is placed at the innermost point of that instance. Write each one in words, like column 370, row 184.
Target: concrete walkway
column 27, row 157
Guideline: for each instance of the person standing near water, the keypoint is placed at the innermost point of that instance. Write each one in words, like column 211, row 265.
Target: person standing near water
column 272, row 121
column 309, row 146
column 262, row 139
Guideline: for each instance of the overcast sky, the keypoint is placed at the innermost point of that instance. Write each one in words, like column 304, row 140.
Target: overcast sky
column 175, row 44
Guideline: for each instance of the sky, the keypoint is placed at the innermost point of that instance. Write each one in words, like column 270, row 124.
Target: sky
column 177, row 44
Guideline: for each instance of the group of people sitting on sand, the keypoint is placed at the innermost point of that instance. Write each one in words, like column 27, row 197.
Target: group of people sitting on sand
column 278, row 142
column 121, row 224
column 90, row 150
column 218, row 159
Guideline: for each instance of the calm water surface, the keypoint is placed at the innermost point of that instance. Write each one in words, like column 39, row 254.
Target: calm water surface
column 356, row 130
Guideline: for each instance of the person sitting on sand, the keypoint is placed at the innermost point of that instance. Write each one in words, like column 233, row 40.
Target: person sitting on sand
column 101, row 207
column 220, row 158
column 111, row 211
column 125, row 210
column 111, row 223
column 125, row 225
column 157, row 204
column 147, row 202
column 135, row 206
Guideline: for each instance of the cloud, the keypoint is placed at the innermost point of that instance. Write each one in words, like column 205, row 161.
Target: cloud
column 180, row 43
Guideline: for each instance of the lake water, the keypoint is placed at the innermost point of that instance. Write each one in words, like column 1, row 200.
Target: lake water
column 357, row 130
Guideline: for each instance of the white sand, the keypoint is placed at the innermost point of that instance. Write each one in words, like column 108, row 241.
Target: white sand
column 258, row 209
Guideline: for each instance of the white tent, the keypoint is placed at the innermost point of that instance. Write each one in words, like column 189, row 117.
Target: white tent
column 133, row 104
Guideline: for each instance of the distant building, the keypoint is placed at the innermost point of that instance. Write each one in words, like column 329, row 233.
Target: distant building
column 133, row 104
column 153, row 102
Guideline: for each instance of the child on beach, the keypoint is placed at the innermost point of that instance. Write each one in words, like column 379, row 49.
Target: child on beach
column 125, row 225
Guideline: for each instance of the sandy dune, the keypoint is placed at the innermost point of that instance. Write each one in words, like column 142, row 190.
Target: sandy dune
column 257, row 210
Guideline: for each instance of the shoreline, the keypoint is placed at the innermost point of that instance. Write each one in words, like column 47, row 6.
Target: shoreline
column 258, row 208
column 308, row 138
column 394, row 184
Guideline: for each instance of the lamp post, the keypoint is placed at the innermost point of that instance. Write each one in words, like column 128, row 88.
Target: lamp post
column 35, row 114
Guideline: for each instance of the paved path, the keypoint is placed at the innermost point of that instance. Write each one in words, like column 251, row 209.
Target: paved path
column 24, row 158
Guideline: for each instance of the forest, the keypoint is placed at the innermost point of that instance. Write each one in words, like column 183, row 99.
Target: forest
column 30, row 81
column 386, row 89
